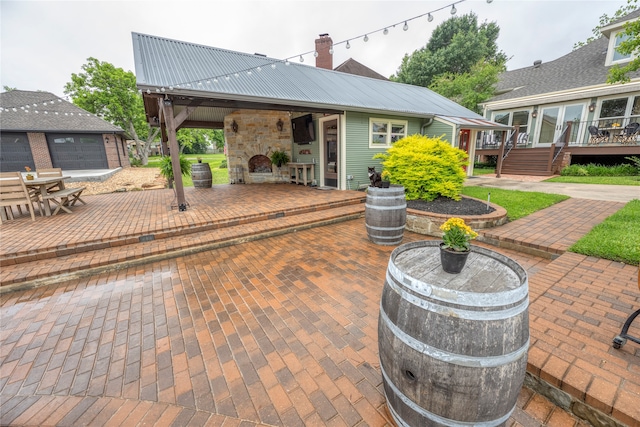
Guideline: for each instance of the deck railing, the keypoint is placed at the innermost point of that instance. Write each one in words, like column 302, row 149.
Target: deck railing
column 610, row 132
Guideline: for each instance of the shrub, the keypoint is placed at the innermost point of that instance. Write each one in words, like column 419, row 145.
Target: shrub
column 599, row 170
column 223, row 164
column 636, row 162
column 166, row 169
column 426, row 167
column 135, row 162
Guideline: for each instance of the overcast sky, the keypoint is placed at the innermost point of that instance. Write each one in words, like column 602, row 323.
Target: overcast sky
column 43, row 42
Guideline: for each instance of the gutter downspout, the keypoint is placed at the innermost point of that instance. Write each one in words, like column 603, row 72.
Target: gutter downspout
column 425, row 124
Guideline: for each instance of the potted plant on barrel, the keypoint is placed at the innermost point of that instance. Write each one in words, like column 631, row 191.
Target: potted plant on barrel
column 456, row 244
column 29, row 176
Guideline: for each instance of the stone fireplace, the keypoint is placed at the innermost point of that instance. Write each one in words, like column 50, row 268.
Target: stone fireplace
column 260, row 164
column 251, row 142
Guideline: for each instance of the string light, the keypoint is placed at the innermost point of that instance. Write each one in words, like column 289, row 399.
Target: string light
column 365, row 37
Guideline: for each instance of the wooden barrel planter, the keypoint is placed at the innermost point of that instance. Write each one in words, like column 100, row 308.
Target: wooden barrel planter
column 385, row 215
column 201, row 175
column 453, row 347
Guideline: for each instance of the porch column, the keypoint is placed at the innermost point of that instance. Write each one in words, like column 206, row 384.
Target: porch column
column 174, row 150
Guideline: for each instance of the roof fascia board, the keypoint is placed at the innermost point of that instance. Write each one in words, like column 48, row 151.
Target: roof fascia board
column 574, row 94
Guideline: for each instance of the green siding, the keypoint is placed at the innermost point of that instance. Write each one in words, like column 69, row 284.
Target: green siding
column 440, row 129
column 359, row 155
column 314, row 147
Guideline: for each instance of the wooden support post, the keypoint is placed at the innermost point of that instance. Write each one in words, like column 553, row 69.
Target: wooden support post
column 175, row 155
column 500, row 155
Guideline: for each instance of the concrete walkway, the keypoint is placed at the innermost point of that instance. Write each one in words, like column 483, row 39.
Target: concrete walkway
column 259, row 305
column 616, row 193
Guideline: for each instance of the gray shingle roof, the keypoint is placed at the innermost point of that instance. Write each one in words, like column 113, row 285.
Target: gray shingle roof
column 581, row 68
column 57, row 115
column 183, row 68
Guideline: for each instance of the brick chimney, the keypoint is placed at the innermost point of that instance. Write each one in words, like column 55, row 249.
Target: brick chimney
column 324, row 58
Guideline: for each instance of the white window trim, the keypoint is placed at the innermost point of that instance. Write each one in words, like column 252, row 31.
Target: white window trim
column 611, row 50
column 390, row 123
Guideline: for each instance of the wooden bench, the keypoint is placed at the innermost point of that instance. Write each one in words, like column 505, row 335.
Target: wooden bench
column 65, row 198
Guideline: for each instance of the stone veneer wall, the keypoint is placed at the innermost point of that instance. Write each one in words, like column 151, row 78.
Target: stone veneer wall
column 257, row 134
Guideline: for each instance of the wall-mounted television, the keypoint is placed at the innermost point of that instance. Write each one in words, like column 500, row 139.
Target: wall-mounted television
column 303, row 130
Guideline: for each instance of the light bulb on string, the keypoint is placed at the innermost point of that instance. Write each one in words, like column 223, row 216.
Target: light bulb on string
column 315, row 53
column 227, row 78
column 406, row 26
column 430, row 17
column 366, row 38
column 249, row 73
column 273, row 65
column 453, row 9
column 489, row 1
column 385, row 31
column 301, row 58
column 170, row 87
column 215, row 80
column 286, row 62
column 259, row 69
column 236, row 75
column 348, row 46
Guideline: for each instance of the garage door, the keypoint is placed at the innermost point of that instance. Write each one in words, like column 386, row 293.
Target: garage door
column 77, row 151
column 15, row 152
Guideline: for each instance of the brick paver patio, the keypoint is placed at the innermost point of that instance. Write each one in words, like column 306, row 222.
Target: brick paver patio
column 275, row 331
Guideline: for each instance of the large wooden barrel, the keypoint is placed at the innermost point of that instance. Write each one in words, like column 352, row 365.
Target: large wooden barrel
column 201, row 175
column 385, row 215
column 453, row 347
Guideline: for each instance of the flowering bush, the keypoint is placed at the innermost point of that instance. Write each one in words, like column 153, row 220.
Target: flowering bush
column 457, row 235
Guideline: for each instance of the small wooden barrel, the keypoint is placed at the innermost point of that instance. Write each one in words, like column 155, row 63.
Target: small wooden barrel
column 385, row 215
column 453, row 347
column 201, row 175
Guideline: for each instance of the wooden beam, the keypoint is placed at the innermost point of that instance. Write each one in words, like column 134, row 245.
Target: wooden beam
column 167, row 109
column 194, row 124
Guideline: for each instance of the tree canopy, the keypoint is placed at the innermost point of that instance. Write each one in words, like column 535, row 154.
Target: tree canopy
column 455, row 47
column 111, row 94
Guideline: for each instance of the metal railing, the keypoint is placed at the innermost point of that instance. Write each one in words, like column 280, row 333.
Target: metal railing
column 576, row 133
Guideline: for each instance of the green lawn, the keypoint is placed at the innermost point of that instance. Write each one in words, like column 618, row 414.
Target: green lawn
column 483, row 171
column 218, row 175
column 617, row 238
column 608, row 180
column 517, row 203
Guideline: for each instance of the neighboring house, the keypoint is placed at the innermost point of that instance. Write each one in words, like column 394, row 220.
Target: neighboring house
column 41, row 130
column 566, row 109
column 334, row 120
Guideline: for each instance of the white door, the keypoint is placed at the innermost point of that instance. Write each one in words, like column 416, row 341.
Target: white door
column 554, row 120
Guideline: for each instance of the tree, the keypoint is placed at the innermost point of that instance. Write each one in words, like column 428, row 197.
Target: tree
column 8, row 88
column 606, row 20
column 469, row 89
column 111, row 94
column 455, row 47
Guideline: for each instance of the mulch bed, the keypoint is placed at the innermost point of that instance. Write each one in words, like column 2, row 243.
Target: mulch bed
column 445, row 205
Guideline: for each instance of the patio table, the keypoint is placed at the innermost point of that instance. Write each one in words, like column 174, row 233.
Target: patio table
column 41, row 186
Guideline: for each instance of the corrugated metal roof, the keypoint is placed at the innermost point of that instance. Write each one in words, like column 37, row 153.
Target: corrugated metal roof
column 475, row 123
column 186, row 68
column 28, row 111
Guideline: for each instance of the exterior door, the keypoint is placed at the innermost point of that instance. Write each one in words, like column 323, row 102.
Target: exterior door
column 553, row 122
column 15, row 152
column 463, row 143
column 77, row 151
column 330, row 145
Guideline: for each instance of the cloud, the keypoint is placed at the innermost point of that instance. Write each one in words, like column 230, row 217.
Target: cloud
column 44, row 42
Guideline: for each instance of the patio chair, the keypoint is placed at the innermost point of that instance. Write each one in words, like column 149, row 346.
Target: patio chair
column 597, row 136
column 490, row 141
column 621, row 339
column 630, row 133
column 523, row 139
column 13, row 192
column 50, row 173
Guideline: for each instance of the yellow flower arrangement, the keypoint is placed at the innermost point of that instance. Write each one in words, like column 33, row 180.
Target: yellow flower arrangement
column 457, row 235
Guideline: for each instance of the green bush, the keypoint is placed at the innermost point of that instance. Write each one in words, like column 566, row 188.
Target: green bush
column 599, row 170
column 135, row 162
column 223, row 164
column 166, row 169
column 426, row 167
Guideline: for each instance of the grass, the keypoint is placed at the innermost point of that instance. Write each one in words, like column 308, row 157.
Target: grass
column 218, row 176
column 608, row 180
column 617, row 238
column 517, row 203
column 483, row 171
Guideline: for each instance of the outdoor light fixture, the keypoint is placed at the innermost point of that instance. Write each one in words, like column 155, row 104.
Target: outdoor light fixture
column 280, row 125
column 167, row 102
column 535, row 113
column 453, row 9
column 429, row 17
column 106, row 139
column 234, row 127
column 592, row 107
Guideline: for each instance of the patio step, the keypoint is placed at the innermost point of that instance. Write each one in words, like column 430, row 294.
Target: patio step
column 95, row 257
